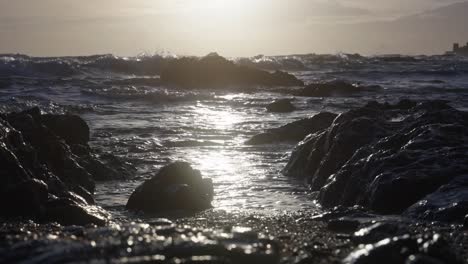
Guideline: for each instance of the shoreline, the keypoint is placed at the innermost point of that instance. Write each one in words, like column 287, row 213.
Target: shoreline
column 219, row 237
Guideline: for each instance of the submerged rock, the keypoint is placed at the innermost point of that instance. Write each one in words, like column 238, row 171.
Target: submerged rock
column 175, row 187
column 406, row 158
column 281, row 106
column 334, row 88
column 40, row 171
column 295, row 131
column 214, row 71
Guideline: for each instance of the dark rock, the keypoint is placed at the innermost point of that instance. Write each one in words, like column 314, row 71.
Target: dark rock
column 448, row 203
column 335, row 88
column 393, row 250
column 175, row 187
column 68, row 212
column 281, row 106
column 214, row 71
column 72, row 128
column 422, row 259
column 372, row 155
column 404, row 249
column 42, row 179
column 295, row 131
column 26, row 199
column 343, row 225
column 379, row 231
column 99, row 170
column 83, row 193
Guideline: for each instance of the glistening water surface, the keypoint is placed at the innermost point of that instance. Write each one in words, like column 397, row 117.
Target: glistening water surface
column 149, row 125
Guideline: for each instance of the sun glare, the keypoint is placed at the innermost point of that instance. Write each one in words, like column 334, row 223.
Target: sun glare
column 219, row 11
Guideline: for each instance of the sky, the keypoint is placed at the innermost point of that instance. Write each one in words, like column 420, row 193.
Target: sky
column 230, row 27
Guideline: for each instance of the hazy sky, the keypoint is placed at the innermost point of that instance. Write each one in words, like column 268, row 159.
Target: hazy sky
column 230, row 27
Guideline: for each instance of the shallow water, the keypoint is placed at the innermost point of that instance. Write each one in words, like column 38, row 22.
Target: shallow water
column 148, row 125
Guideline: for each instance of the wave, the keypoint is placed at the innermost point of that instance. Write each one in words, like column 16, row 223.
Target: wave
column 152, row 65
column 146, row 94
column 22, row 65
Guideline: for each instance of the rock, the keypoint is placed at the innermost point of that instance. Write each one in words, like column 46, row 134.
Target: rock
column 68, row 212
column 214, row 71
column 404, row 249
column 393, row 250
column 295, row 131
column 343, row 225
column 369, row 156
column 25, row 199
column 175, row 187
column 42, row 179
column 379, row 231
column 334, row 88
column 281, row 106
column 448, row 203
column 72, row 128
column 422, row 259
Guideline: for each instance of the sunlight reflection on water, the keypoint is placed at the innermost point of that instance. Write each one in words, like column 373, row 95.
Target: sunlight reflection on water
column 244, row 177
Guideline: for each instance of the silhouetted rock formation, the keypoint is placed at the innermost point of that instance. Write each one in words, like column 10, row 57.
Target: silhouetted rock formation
column 281, row 106
column 214, row 71
column 295, row 131
column 334, row 88
column 48, row 172
column 406, row 158
column 175, row 187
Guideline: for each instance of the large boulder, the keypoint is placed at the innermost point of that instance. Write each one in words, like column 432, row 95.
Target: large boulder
column 214, row 71
column 42, row 179
column 295, row 131
column 406, row 158
column 335, row 88
column 175, row 187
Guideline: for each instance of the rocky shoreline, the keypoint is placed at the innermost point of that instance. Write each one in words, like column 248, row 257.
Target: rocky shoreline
column 391, row 179
column 341, row 236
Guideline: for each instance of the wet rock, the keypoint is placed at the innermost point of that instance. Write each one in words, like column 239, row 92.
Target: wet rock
column 214, row 71
column 335, row 88
column 448, row 203
column 42, row 179
column 295, row 131
column 379, row 231
column 281, row 106
column 175, row 187
column 69, row 212
column 26, row 199
column 72, row 128
column 390, row 250
column 371, row 155
column 404, row 249
column 343, row 225
column 422, row 259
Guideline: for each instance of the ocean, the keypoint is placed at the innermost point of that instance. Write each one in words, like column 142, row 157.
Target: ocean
column 134, row 117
